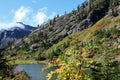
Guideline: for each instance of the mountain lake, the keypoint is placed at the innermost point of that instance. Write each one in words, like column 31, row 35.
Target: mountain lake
column 35, row 71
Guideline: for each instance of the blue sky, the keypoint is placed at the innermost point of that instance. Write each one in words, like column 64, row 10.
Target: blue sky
column 33, row 12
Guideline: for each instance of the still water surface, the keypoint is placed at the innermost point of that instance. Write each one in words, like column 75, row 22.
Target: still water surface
column 34, row 71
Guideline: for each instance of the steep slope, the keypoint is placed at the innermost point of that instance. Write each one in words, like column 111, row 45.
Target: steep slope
column 40, row 41
column 89, row 35
column 18, row 30
column 92, row 54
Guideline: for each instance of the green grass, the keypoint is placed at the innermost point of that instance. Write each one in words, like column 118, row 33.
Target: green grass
column 16, row 62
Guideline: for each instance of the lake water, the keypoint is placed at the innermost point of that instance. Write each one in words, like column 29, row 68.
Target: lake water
column 34, row 71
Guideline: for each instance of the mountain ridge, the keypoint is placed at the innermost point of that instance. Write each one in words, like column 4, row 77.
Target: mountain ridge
column 17, row 31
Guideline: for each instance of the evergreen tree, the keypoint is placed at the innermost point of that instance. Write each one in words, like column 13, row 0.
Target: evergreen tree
column 106, row 70
column 4, row 67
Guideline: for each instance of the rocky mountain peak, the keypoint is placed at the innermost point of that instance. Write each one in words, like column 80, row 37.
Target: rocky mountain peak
column 17, row 31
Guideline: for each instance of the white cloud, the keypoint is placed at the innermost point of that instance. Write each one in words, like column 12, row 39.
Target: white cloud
column 15, row 25
column 10, row 25
column 21, row 14
column 3, row 26
column 40, row 16
column 27, row 16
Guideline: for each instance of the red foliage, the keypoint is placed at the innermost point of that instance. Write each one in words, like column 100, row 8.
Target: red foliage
column 52, row 60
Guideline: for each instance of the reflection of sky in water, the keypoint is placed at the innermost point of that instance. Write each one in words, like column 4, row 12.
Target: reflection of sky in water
column 34, row 71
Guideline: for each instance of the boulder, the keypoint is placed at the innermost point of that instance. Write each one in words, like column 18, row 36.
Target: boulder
column 34, row 46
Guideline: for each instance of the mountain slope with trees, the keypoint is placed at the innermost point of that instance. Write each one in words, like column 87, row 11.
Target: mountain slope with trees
column 91, row 54
column 83, row 44
column 58, row 28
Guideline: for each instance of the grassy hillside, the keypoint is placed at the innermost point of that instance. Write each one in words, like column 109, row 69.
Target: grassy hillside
column 87, row 35
column 92, row 54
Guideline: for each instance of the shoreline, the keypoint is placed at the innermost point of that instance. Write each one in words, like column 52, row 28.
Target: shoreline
column 18, row 62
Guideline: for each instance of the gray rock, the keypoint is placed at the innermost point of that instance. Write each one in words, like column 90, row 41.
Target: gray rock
column 80, row 44
column 118, row 46
column 34, row 46
column 19, row 43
